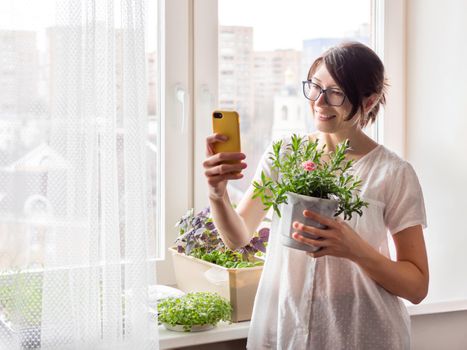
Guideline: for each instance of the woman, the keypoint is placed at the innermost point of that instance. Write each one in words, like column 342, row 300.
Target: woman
column 346, row 295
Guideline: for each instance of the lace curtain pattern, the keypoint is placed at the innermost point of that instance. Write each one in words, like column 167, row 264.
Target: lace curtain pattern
column 76, row 202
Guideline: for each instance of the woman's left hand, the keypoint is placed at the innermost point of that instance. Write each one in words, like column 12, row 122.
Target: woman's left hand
column 339, row 239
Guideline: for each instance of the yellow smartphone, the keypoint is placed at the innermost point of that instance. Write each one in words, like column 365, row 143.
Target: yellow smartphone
column 227, row 123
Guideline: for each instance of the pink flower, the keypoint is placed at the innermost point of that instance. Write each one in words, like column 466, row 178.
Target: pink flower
column 309, row 165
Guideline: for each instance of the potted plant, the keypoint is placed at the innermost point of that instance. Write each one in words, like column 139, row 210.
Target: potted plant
column 309, row 178
column 193, row 312
column 202, row 262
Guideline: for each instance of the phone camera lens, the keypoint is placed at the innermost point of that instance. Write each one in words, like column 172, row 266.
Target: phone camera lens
column 217, row 115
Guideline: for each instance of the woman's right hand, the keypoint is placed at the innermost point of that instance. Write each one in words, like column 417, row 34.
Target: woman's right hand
column 221, row 167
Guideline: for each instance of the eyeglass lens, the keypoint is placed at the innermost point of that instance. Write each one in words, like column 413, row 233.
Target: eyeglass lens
column 332, row 97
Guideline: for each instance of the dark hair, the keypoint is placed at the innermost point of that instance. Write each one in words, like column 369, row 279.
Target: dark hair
column 359, row 72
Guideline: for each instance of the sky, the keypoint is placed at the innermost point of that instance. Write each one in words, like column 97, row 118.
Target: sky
column 26, row 14
column 37, row 15
column 284, row 24
column 278, row 24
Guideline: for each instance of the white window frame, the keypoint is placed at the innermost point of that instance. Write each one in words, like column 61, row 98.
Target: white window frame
column 191, row 63
column 176, row 21
column 389, row 27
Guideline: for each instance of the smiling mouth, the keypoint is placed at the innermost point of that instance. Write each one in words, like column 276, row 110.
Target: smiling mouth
column 325, row 117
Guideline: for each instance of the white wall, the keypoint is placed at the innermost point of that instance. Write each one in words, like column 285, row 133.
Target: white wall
column 447, row 331
column 437, row 134
column 436, row 144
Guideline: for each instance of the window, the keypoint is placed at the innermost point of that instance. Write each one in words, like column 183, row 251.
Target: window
column 32, row 52
column 80, row 169
column 285, row 46
column 285, row 113
column 385, row 23
column 272, row 60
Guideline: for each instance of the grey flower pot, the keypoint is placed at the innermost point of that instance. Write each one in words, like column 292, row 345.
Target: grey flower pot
column 293, row 211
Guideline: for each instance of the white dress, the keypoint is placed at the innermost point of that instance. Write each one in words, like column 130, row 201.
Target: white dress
column 330, row 303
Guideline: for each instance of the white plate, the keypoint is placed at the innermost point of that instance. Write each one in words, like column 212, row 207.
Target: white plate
column 195, row 328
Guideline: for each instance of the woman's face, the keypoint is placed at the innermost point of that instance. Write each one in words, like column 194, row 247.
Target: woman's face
column 327, row 118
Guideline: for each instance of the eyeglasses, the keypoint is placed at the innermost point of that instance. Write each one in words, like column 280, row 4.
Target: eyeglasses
column 312, row 91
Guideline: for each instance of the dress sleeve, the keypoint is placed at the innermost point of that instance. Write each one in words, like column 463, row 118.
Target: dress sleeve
column 406, row 206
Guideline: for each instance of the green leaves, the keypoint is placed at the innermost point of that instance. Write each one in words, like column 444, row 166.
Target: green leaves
column 199, row 238
column 329, row 179
column 227, row 258
column 193, row 309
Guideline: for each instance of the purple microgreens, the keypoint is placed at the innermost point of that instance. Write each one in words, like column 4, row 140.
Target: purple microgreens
column 199, row 238
column 264, row 234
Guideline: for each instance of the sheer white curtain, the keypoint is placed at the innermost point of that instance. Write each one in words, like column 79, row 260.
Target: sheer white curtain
column 75, row 191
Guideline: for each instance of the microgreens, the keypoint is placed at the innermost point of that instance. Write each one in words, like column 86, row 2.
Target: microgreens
column 193, row 309
column 199, row 238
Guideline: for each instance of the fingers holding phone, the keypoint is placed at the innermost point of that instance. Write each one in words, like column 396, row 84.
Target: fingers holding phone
column 224, row 163
column 226, row 123
column 224, row 158
column 221, row 167
column 211, row 140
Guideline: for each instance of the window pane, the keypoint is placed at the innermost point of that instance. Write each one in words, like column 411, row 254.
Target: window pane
column 33, row 49
column 79, row 133
column 265, row 50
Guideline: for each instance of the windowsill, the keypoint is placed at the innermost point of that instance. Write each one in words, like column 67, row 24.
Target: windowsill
column 223, row 332
column 437, row 308
column 226, row 332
